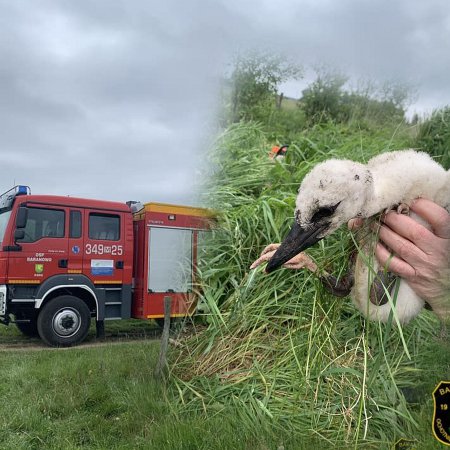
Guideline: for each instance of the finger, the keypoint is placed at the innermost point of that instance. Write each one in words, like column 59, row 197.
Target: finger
column 435, row 215
column 393, row 264
column 402, row 247
column 407, row 228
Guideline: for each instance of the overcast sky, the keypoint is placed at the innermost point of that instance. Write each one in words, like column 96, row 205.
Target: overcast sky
column 117, row 99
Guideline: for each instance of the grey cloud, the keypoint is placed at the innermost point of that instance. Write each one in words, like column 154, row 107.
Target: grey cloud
column 117, row 99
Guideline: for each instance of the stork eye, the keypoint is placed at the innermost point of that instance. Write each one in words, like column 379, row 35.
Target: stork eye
column 324, row 211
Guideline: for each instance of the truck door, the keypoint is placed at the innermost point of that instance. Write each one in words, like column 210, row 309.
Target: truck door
column 103, row 260
column 76, row 242
column 44, row 246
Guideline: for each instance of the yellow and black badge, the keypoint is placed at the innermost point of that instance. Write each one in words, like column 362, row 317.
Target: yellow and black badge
column 441, row 414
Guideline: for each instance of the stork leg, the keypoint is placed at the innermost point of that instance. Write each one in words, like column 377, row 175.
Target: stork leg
column 338, row 288
column 383, row 284
column 343, row 286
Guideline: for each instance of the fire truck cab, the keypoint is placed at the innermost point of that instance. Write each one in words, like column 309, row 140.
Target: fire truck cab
column 66, row 260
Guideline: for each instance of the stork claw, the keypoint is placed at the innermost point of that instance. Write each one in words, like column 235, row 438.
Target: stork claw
column 403, row 208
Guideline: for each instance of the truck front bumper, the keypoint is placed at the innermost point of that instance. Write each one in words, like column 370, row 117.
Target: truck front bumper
column 2, row 300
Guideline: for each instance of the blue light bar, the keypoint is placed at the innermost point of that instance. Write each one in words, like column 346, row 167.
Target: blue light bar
column 7, row 198
column 22, row 190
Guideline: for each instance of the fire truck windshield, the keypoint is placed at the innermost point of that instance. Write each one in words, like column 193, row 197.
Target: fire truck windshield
column 4, row 218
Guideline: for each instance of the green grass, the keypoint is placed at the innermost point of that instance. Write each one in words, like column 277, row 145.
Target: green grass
column 116, row 329
column 289, row 104
column 105, row 398
column 100, row 398
column 279, row 352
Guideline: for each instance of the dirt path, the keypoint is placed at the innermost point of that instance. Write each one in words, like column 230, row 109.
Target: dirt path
column 22, row 343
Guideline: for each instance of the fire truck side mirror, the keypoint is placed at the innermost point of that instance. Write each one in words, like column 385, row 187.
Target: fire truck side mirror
column 19, row 234
column 21, row 219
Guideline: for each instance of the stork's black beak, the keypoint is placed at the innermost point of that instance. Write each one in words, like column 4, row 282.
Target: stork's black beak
column 295, row 242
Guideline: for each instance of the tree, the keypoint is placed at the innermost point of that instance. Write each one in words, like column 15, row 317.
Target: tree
column 254, row 84
column 322, row 100
column 328, row 98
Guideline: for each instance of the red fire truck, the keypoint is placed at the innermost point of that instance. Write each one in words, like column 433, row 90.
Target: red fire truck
column 66, row 260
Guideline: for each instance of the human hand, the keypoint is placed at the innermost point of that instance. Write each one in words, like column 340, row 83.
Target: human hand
column 302, row 260
column 421, row 256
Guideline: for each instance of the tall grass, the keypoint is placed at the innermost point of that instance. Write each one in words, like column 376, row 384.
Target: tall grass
column 434, row 136
column 279, row 352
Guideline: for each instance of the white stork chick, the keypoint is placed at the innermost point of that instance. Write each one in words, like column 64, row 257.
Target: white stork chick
column 335, row 191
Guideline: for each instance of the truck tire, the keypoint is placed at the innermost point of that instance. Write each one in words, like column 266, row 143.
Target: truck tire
column 174, row 322
column 64, row 321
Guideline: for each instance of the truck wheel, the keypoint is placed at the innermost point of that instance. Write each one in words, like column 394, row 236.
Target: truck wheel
column 64, row 321
column 174, row 322
column 28, row 328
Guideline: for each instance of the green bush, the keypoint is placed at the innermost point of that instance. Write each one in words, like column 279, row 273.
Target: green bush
column 253, row 86
column 327, row 99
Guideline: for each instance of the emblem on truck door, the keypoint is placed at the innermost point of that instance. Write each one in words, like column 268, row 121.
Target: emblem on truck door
column 102, row 266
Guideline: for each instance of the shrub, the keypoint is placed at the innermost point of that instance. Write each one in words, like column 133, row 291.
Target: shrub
column 326, row 99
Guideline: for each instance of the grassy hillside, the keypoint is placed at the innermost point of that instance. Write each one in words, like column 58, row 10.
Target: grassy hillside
column 280, row 353
column 281, row 364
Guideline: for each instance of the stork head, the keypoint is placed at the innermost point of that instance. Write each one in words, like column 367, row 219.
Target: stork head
column 333, row 192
